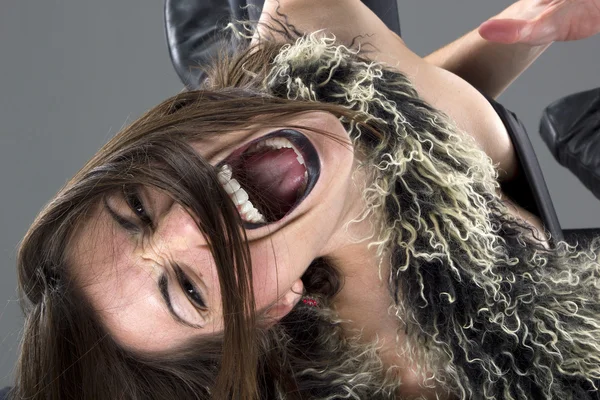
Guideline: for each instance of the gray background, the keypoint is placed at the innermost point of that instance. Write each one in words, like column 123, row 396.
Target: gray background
column 73, row 72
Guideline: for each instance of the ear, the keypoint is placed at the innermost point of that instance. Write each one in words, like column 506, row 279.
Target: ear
column 285, row 303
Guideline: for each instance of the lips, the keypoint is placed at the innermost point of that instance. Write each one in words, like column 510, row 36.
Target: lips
column 269, row 177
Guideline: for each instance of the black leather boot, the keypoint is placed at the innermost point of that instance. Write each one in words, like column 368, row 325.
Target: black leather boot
column 571, row 129
column 193, row 29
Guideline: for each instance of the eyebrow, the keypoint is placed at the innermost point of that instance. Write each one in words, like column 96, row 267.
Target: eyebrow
column 163, row 282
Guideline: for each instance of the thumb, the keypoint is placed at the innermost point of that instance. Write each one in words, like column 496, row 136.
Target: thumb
column 506, row 31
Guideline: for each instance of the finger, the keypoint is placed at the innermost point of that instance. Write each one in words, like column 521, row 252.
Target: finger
column 506, row 31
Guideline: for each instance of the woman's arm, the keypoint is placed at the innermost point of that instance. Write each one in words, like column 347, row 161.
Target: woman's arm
column 494, row 55
column 350, row 19
column 490, row 67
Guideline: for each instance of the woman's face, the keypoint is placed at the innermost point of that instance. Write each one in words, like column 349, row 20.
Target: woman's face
column 157, row 290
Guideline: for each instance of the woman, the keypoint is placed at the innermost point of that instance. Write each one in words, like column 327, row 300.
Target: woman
column 174, row 264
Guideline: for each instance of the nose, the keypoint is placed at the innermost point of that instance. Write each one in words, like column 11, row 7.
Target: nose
column 177, row 230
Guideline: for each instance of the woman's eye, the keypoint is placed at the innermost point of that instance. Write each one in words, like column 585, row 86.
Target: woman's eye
column 192, row 294
column 132, row 198
column 190, row 289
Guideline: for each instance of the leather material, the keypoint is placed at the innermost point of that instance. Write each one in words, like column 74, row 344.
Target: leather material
column 529, row 189
column 194, row 30
column 581, row 236
column 571, row 129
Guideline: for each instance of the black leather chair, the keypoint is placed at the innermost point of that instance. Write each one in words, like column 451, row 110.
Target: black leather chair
column 571, row 129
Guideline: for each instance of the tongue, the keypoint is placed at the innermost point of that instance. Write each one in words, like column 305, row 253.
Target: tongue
column 277, row 173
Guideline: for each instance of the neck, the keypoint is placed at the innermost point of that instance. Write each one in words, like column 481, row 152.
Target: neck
column 365, row 305
column 365, row 300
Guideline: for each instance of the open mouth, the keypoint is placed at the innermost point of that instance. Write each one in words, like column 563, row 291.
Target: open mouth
column 270, row 176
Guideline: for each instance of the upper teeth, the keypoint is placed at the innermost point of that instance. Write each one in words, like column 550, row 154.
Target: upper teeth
column 239, row 196
column 278, row 143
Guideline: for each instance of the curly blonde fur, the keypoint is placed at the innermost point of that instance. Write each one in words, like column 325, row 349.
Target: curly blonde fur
column 486, row 311
column 489, row 311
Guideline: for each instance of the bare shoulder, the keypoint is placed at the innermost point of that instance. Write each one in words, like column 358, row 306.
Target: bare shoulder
column 471, row 112
column 352, row 22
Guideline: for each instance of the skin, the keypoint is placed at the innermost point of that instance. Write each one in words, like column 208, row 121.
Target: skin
column 364, row 300
column 111, row 260
column 119, row 263
column 444, row 90
column 492, row 56
column 541, row 22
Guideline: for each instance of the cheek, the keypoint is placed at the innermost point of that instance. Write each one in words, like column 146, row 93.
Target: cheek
column 267, row 267
column 273, row 271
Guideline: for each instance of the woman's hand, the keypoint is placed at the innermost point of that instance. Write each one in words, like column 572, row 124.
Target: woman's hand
column 540, row 22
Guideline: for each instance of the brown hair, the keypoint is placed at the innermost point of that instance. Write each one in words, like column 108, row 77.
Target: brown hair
column 474, row 295
column 66, row 353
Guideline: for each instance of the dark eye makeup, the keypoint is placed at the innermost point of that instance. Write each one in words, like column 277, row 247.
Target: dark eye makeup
column 190, row 290
column 123, row 222
column 134, row 202
column 133, row 199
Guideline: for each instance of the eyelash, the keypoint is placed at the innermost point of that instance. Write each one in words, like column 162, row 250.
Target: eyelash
column 189, row 289
column 132, row 198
